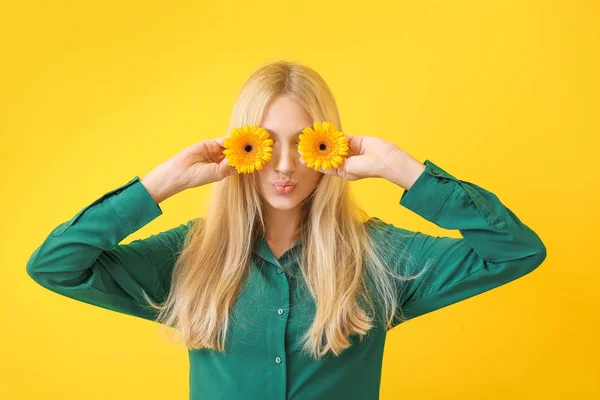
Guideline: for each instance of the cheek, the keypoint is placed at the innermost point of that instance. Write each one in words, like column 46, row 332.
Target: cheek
column 262, row 178
column 313, row 178
column 261, row 175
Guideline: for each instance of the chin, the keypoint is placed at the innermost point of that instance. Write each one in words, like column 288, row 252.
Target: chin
column 283, row 204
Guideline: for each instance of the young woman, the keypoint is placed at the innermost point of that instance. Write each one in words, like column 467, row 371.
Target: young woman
column 286, row 294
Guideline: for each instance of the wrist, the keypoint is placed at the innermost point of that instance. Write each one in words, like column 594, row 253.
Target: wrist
column 161, row 184
column 402, row 169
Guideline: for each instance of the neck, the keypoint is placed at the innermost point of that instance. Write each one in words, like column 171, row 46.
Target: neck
column 283, row 225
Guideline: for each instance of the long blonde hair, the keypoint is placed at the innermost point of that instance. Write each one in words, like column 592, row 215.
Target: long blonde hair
column 340, row 263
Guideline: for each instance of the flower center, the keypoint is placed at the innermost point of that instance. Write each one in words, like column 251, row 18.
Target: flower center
column 322, row 146
column 248, row 148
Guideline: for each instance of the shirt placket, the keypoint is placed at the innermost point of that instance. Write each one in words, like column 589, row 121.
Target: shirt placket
column 278, row 327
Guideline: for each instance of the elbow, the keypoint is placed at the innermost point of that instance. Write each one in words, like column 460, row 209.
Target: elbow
column 37, row 276
column 537, row 258
column 542, row 255
column 51, row 274
column 31, row 268
column 35, row 270
column 57, row 278
column 536, row 253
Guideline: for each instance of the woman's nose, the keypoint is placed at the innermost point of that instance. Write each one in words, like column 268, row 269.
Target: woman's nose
column 285, row 157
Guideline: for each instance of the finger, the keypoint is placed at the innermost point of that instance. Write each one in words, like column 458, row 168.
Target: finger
column 230, row 170
column 330, row 171
column 221, row 140
column 354, row 147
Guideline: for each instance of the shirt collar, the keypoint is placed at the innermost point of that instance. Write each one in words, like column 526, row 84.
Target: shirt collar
column 262, row 249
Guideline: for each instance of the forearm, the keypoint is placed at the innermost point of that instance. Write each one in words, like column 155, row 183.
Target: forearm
column 402, row 169
column 160, row 183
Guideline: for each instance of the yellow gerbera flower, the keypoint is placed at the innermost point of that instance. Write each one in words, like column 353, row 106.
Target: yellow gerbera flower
column 248, row 148
column 323, row 146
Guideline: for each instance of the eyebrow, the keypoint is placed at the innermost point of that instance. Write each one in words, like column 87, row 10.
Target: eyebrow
column 274, row 134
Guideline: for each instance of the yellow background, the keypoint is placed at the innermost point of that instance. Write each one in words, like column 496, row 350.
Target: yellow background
column 503, row 94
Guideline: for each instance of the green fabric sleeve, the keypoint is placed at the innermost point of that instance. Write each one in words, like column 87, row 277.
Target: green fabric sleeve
column 83, row 260
column 495, row 248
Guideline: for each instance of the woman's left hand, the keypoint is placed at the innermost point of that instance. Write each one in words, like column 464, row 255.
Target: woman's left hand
column 366, row 158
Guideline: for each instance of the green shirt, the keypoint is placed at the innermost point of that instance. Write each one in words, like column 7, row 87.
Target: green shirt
column 82, row 259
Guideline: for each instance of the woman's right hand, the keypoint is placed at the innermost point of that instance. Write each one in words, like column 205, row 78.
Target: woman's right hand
column 196, row 165
column 202, row 163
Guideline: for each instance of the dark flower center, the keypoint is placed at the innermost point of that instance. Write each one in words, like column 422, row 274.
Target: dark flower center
column 322, row 146
column 248, row 148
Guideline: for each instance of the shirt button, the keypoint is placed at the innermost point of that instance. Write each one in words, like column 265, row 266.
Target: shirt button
column 279, row 270
column 434, row 171
column 280, row 311
column 278, row 360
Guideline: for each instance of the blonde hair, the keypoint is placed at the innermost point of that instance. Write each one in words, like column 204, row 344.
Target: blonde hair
column 340, row 263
